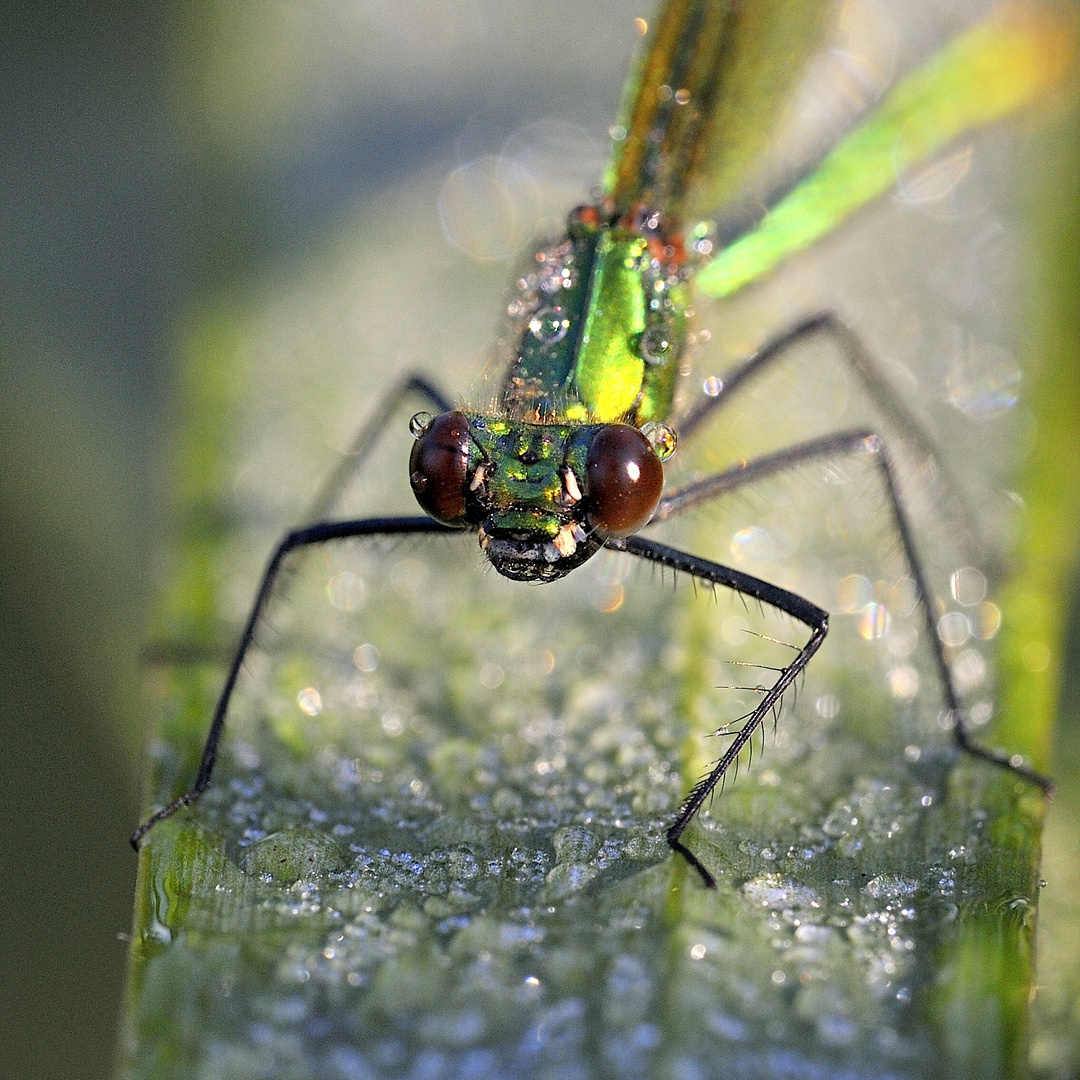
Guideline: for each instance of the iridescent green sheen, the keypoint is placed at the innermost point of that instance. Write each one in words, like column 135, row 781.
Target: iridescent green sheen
column 530, row 459
column 602, row 330
column 541, row 377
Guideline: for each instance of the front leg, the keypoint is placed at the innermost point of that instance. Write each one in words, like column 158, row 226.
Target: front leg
column 321, row 532
column 713, row 574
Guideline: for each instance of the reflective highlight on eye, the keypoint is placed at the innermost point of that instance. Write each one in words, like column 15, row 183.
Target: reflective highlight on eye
column 624, row 480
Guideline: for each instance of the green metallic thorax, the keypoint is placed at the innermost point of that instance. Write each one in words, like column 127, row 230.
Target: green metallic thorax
column 602, row 328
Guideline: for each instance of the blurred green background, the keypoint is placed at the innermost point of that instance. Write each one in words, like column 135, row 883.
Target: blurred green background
column 88, row 215
column 154, row 155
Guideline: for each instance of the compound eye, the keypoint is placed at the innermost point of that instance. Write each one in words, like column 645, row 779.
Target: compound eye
column 438, row 465
column 624, row 480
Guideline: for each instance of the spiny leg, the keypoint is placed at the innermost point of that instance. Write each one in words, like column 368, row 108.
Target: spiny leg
column 860, row 362
column 318, row 533
column 858, row 442
column 790, row 603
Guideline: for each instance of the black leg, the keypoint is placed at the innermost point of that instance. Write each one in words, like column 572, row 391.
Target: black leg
column 791, row 604
column 825, row 324
column 319, row 533
column 829, row 325
column 857, row 442
column 321, row 506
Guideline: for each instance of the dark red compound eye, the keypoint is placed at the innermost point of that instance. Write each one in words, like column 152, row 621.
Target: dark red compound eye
column 438, row 468
column 624, row 480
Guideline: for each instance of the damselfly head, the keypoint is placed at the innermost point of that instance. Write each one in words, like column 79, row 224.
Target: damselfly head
column 542, row 497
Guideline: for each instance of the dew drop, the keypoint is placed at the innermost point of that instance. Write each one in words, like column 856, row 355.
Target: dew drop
column 393, row 723
column 968, row 586
column 903, row 682
column 890, row 887
column 986, row 620
column 346, row 591
column 969, row 668
column 549, row 325
column 661, row 438
column 854, row 592
column 827, row 706
column 310, row 701
column 366, row 658
column 420, row 423
column 873, row 622
column 656, row 345
column 953, row 628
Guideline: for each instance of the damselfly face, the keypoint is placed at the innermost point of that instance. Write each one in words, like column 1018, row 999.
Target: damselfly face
column 543, row 497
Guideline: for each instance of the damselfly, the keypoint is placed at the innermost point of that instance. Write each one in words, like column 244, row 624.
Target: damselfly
column 568, row 458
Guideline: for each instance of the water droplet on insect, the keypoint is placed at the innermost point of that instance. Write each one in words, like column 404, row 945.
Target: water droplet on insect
column 656, row 346
column 420, row 423
column 661, row 438
column 549, row 325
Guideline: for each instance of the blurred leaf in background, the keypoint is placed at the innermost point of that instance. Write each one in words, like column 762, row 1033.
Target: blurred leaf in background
column 87, row 220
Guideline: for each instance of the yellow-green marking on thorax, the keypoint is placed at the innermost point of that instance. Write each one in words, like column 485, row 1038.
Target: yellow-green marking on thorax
column 610, row 369
column 632, row 334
